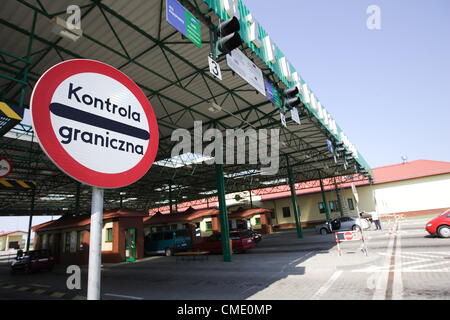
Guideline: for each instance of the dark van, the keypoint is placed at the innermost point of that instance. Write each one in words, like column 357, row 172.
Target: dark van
column 167, row 242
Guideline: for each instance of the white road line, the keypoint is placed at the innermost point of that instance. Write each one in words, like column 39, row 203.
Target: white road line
column 397, row 287
column 381, row 284
column 269, row 280
column 302, row 257
column 373, row 271
column 327, row 285
column 122, row 296
column 40, row 285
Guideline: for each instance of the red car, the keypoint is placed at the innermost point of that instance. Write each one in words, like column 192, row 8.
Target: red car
column 241, row 242
column 440, row 226
column 33, row 261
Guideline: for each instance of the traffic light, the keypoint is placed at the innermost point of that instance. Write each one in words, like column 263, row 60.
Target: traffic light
column 229, row 38
column 291, row 98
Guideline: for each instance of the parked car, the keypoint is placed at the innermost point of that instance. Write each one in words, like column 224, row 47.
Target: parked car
column 167, row 242
column 341, row 224
column 440, row 225
column 31, row 261
column 241, row 242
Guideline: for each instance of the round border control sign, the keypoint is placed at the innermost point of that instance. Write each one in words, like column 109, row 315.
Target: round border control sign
column 5, row 167
column 94, row 123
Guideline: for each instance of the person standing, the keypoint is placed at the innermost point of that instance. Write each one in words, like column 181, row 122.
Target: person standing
column 376, row 220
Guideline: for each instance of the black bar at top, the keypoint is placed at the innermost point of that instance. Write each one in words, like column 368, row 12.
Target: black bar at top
column 70, row 113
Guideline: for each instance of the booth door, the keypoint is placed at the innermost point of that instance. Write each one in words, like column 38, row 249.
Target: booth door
column 130, row 245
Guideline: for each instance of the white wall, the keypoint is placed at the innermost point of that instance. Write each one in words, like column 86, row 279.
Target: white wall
column 394, row 197
column 413, row 195
column 107, row 246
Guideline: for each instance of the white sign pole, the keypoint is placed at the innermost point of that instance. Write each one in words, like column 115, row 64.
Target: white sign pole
column 95, row 245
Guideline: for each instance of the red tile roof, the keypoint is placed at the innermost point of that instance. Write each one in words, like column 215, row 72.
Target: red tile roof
column 410, row 170
column 180, row 217
column 68, row 222
column 242, row 213
column 11, row 232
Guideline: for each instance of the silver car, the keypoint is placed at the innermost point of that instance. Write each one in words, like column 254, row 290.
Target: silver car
column 339, row 224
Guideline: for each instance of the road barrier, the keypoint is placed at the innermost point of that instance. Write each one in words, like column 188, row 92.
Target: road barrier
column 348, row 236
column 392, row 222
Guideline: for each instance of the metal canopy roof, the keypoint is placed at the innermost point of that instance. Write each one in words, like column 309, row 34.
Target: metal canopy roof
column 134, row 37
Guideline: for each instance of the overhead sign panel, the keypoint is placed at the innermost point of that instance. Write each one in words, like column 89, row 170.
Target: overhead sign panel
column 296, row 116
column 243, row 66
column 182, row 20
column 262, row 44
column 94, row 123
column 272, row 94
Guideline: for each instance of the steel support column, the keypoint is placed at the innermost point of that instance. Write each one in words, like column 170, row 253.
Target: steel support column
column 224, row 225
column 77, row 199
column 33, row 195
column 338, row 196
column 297, row 213
column 324, row 199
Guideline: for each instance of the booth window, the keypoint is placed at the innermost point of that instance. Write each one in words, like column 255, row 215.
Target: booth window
column 67, row 242
column 258, row 221
column 286, row 212
column 322, row 208
column 351, row 206
column 333, row 206
column 209, row 226
column 80, row 241
column 272, row 213
column 109, row 235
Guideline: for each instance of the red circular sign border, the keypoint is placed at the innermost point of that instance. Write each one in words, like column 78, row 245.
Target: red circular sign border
column 349, row 235
column 40, row 114
column 10, row 168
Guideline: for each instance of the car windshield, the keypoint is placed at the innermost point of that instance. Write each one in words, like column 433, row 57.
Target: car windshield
column 182, row 233
column 247, row 234
column 446, row 212
column 235, row 236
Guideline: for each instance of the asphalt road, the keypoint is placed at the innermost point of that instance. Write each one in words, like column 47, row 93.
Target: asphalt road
column 403, row 263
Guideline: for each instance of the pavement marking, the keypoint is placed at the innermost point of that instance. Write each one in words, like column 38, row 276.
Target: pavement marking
column 383, row 278
column 57, row 294
column 10, row 286
column 23, row 289
column 39, row 291
column 397, row 285
column 298, row 259
column 418, row 262
column 123, row 296
column 327, row 285
column 79, row 298
column 40, row 285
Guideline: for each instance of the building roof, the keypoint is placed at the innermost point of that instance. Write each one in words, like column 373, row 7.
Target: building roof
column 398, row 172
column 411, row 170
column 189, row 215
column 69, row 222
column 193, row 214
column 243, row 213
column 12, row 232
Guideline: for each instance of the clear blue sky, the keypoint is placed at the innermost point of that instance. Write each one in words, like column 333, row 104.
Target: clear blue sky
column 388, row 89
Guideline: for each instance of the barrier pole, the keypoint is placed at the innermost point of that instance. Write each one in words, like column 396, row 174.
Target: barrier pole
column 95, row 245
column 337, row 242
column 30, row 221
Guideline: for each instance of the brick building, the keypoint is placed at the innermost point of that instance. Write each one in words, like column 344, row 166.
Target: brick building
column 68, row 237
